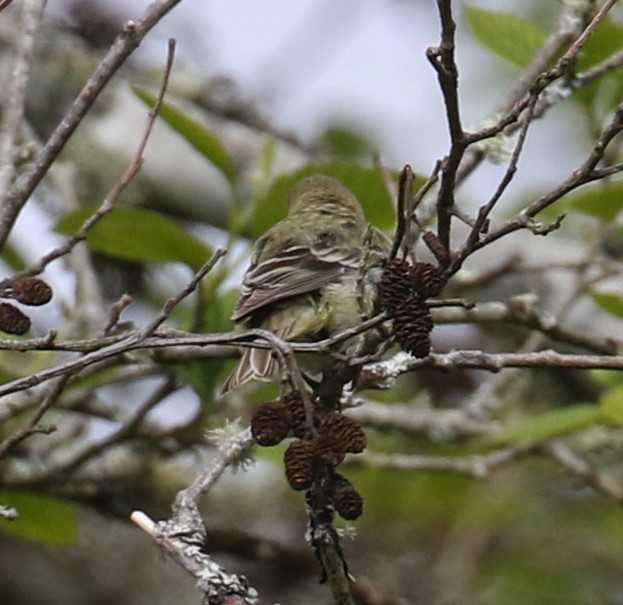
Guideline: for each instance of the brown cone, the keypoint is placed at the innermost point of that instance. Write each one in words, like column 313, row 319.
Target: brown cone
column 329, row 449
column 426, row 279
column 343, row 430
column 294, row 402
column 12, row 320
column 347, row 500
column 271, row 423
column 412, row 326
column 31, row 291
column 395, row 286
column 299, row 464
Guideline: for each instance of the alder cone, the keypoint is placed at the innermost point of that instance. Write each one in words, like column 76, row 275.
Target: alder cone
column 299, row 464
column 412, row 326
column 329, row 449
column 395, row 286
column 31, row 291
column 12, row 320
column 345, row 431
column 296, row 406
column 271, row 423
column 426, row 279
column 347, row 501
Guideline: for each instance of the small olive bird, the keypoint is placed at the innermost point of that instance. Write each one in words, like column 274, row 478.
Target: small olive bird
column 312, row 276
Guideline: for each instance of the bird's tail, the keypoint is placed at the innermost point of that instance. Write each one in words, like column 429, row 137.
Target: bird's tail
column 255, row 364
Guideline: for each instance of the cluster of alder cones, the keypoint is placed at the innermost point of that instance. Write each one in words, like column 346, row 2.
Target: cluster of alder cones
column 314, row 452
column 321, row 442
column 30, row 291
column 403, row 291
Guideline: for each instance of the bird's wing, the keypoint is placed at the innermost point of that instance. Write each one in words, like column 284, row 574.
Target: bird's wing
column 296, row 270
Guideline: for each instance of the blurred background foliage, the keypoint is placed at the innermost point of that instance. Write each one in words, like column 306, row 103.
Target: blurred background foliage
column 530, row 532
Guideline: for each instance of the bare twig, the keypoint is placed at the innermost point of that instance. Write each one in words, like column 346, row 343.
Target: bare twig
column 585, row 173
column 115, row 313
column 568, row 30
column 13, row 110
column 442, row 59
column 601, row 482
column 123, row 46
column 113, row 195
column 405, row 184
column 32, row 427
column 478, row 466
column 439, row 424
column 186, row 291
column 522, row 310
column 183, row 536
column 185, row 544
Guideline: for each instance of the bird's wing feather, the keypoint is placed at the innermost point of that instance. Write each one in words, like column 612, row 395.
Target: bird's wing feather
column 296, row 270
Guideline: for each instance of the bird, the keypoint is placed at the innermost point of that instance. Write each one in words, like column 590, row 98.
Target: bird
column 311, row 276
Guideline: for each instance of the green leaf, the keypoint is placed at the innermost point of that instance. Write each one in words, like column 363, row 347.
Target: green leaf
column 138, row 234
column 604, row 201
column 613, row 303
column 41, row 518
column 606, row 40
column 206, row 375
column 611, row 405
column 510, row 37
column 548, row 425
column 366, row 183
column 605, row 92
column 347, row 143
column 13, row 258
column 608, row 378
column 204, row 141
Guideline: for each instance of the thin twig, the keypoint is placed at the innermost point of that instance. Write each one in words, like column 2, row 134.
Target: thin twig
column 585, row 173
column 601, row 482
column 109, row 202
column 13, row 110
column 442, row 59
column 186, row 291
column 477, row 466
column 183, row 536
column 124, row 45
column 405, row 184
column 32, row 427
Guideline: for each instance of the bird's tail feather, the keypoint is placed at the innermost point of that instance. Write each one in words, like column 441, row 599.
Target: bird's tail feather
column 255, row 364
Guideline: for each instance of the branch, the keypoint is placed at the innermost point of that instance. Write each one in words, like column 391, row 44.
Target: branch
column 442, row 59
column 123, row 46
column 186, row 291
column 384, row 372
column 32, row 427
column 13, row 110
column 522, row 310
column 570, row 26
column 184, row 535
column 477, row 466
column 439, row 424
column 127, row 177
column 601, row 482
column 585, row 173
